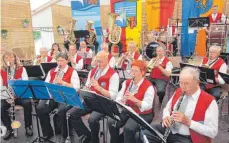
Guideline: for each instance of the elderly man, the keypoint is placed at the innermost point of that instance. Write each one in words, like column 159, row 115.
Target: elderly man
column 215, row 16
column 75, row 59
column 62, row 75
column 191, row 113
column 161, row 68
column 43, row 58
column 219, row 65
column 104, row 81
column 137, row 93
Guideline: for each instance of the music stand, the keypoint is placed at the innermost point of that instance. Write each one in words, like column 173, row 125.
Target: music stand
column 35, row 90
column 198, row 22
column 35, row 71
column 81, row 33
column 140, row 120
column 48, row 66
column 225, row 57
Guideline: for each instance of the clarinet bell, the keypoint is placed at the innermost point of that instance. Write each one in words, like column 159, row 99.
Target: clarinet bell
column 15, row 124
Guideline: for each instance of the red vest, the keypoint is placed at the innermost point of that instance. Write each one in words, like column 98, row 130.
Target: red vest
column 217, row 19
column 78, row 57
column 104, row 80
column 216, row 66
column 125, row 63
column 139, row 95
column 109, row 57
column 157, row 73
column 67, row 76
column 18, row 74
column 199, row 114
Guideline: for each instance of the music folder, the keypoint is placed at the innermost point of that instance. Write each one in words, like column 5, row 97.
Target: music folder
column 225, row 77
column 48, row 66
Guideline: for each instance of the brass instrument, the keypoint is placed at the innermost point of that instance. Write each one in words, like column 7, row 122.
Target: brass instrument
column 40, row 60
column 115, row 31
column 70, row 56
column 71, row 36
column 152, row 64
column 92, row 36
column 168, row 130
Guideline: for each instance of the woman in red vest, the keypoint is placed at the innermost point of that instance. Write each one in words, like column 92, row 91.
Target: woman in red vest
column 63, row 75
column 11, row 69
column 43, row 58
column 138, row 93
column 104, row 81
column 213, row 61
column 160, row 72
column 75, row 59
column 215, row 16
column 196, row 120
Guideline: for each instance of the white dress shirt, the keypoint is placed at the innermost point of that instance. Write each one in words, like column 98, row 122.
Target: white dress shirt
column 113, row 83
column 208, row 128
column 147, row 102
column 74, row 79
column 4, row 94
column 79, row 65
column 169, row 65
column 112, row 62
column 223, row 17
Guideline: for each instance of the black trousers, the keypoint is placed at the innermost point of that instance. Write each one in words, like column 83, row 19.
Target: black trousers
column 160, row 86
column 43, row 110
column 27, row 105
column 129, row 130
column 172, row 138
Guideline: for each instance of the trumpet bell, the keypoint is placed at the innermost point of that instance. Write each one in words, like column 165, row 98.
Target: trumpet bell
column 15, row 124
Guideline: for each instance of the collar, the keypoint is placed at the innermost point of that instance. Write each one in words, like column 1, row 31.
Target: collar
column 140, row 82
column 195, row 95
column 65, row 69
column 104, row 71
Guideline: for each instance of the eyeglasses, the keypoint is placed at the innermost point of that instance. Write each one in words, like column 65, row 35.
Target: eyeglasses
column 184, row 83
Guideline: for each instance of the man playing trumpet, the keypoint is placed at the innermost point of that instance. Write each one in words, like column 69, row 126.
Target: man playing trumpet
column 196, row 120
column 138, row 93
column 75, row 59
column 43, row 58
column 160, row 69
column 219, row 65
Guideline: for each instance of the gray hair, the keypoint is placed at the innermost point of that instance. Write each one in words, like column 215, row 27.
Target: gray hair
column 62, row 55
column 218, row 48
column 195, row 72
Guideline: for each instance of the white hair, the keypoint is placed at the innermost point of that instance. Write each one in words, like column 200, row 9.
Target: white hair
column 192, row 71
column 217, row 48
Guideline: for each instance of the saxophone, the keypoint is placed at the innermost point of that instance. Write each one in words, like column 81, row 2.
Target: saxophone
column 92, row 36
column 115, row 31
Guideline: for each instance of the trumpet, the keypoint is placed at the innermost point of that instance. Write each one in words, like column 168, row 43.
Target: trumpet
column 152, row 64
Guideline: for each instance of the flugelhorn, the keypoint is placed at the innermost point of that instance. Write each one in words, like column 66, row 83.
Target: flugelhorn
column 152, row 64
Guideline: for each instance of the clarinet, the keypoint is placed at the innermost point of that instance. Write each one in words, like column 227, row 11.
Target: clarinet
column 168, row 129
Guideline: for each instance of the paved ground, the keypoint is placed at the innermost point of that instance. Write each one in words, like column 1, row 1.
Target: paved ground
column 222, row 137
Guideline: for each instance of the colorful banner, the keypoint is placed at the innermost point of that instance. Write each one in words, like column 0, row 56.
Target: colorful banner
column 194, row 9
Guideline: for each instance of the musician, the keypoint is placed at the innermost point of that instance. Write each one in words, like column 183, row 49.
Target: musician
column 196, row 120
column 219, row 65
column 216, row 17
column 62, row 75
column 127, row 58
column 43, row 58
column 161, row 70
column 75, row 59
column 84, row 48
column 54, row 50
column 138, row 93
column 102, row 80
column 11, row 63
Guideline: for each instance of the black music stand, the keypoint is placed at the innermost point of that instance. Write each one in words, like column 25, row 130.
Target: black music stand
column 198, row 22
column 81, row 33
column 122, row 70
column 35, row 90
column 48, row 66
column 225, row 57
column 140, row 120
column 35, row 71
column 207, row 75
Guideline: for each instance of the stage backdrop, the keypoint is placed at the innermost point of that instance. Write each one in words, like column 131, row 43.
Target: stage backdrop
column 194, row 9
column 130, row 19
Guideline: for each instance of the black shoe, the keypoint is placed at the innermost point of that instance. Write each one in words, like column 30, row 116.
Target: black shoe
column 28, row 131
column 85, row 139
column 48, row 137
column 8, row 134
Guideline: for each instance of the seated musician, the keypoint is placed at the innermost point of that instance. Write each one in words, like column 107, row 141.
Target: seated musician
column 85, row 49
column 138, row 93
column 161, row 68
column 54, row 50
column 75, row 59
column 215, row 16
column 127, row 58
column 11, row 69
column 111, row 59
column 104, row 81
column 193, row 118
column 219, row 65
column 62, row 75
column 43, row 58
